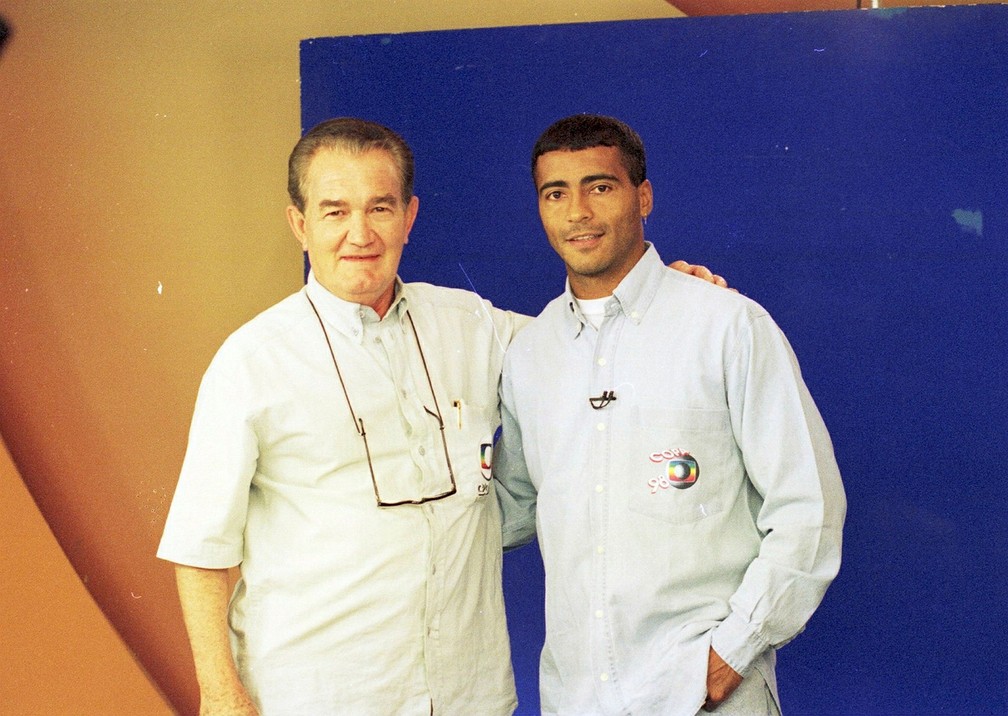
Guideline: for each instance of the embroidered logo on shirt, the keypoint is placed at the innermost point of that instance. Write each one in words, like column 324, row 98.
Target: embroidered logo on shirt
column 486, row 462
column 486, row 459
column 681, row 470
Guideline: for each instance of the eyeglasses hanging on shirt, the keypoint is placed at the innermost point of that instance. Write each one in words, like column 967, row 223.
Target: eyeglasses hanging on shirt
column 448, row 490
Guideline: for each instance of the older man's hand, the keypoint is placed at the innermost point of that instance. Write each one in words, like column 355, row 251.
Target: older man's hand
column 700, row 272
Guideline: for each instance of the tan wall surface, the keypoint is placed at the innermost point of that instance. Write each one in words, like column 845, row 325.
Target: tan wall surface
column 60, row 655
column 142, row 177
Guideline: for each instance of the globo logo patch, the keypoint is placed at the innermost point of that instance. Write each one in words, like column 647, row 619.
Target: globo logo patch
column 680, row 470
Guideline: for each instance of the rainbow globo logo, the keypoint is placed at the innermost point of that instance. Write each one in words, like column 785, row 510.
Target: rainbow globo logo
column 681, row 470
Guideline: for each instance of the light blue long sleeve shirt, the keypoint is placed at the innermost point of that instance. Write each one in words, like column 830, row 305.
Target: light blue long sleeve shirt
column 701, row 507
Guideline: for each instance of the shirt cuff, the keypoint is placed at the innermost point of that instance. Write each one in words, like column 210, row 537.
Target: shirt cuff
column 737, row 643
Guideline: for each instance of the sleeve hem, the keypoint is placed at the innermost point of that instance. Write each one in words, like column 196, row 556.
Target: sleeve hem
column 737, row 643
column 208, row 559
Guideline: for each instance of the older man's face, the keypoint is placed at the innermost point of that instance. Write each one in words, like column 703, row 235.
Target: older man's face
column 355, row 224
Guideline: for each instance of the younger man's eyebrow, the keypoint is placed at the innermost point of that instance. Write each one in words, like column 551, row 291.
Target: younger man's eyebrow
column 556, row 184
column 597, row 177
column 561, row 184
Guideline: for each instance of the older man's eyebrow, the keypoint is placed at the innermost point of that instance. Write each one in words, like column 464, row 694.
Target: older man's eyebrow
column 391, row 199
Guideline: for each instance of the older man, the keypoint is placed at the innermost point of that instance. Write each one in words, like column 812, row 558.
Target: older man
column 336, row 455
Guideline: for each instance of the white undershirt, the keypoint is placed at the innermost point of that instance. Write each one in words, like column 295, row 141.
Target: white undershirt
column 593, row 309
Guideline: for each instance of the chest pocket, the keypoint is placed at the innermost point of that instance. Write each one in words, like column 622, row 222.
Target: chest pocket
column 684, row 465
column 469, row 430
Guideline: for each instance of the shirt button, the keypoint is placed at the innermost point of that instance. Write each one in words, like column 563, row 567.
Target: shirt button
column 635, row 315
column 600, row 549
column 601, row 361
column 603, row 676
column 421, row 450
column 600, row 427
column 598, row 614
column 599, row 488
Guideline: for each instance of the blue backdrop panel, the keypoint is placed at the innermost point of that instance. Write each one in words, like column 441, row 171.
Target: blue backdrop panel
column 847, row 170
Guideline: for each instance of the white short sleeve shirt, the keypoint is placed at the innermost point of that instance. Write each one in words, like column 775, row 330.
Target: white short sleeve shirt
column 344, row 606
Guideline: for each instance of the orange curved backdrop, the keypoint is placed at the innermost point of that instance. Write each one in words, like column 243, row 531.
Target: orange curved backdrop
column 142, row 180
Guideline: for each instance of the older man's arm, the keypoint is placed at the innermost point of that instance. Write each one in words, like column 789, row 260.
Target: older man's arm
column 204, row 594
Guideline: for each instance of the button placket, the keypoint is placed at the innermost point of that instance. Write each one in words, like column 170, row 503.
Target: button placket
column 603, row 379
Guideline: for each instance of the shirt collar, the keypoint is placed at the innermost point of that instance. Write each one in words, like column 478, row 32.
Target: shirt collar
column 350, row 318
column 632, row 296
